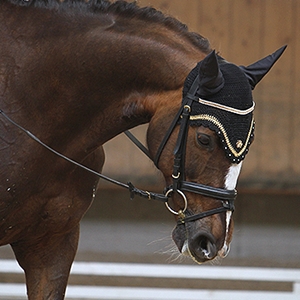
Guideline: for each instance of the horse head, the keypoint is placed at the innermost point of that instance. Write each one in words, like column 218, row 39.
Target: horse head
column 203, row 150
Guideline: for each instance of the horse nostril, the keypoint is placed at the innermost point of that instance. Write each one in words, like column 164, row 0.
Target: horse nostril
column 203, row 247
column 203, row 244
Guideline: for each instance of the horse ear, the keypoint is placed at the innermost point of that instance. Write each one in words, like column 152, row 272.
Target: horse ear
column 256, row 71
column 210, row 77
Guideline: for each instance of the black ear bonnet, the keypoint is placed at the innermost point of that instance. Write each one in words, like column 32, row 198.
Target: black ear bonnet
column 223, row 101
column 235, row 131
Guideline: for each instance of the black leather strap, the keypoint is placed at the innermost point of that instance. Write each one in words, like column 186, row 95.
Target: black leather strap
column 166, row 137
column 137, row 143
column 145, row 194
column 201, row 215
column 208, row 191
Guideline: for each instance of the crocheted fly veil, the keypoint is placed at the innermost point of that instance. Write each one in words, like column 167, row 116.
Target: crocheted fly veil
column 224, row 100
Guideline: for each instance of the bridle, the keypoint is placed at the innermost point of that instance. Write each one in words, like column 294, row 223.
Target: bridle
column 179, row 185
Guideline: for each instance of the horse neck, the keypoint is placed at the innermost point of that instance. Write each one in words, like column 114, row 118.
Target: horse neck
column 148, row 68
column 100, row 80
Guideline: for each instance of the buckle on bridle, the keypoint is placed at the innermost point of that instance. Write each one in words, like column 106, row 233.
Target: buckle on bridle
column 229, row 205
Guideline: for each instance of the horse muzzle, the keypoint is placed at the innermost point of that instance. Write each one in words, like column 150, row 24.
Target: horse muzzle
column 197, row 241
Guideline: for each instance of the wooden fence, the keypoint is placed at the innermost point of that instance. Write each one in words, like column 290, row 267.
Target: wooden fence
column 135, row 271
column 244, row 31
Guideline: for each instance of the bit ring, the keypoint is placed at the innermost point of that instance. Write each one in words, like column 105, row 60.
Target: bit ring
column 184, row 199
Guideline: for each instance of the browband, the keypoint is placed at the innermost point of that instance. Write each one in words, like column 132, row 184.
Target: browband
column 227, row 108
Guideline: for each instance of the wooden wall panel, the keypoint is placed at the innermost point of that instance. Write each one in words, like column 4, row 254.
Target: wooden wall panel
column 245, row 31
column 240, row 42
column 246, row 25
column 294, row 93
column 275, row 122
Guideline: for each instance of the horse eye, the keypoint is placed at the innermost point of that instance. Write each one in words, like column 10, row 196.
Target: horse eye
column 203, row 139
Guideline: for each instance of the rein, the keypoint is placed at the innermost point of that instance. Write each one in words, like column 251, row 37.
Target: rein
column 132, row 189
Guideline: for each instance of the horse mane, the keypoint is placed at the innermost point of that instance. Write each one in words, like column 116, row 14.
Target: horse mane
column 124, row 9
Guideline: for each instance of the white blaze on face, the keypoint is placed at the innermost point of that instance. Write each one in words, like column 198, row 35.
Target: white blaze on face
column 230, row 184
column 232, row 176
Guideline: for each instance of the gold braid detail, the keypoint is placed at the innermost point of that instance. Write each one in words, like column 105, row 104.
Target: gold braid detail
column 215, row 121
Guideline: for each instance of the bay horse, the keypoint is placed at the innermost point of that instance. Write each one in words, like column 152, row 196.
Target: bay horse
column 75, row 74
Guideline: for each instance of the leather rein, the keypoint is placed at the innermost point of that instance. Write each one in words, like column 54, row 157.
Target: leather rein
column 226, row 197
